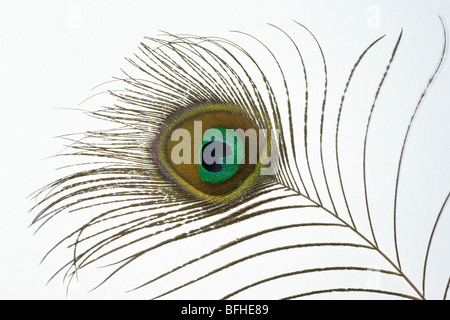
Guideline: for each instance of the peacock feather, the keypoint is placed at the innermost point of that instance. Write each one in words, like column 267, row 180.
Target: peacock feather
column 221, row 173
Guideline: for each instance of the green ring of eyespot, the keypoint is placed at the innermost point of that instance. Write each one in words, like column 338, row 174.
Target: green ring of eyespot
column 229, row 163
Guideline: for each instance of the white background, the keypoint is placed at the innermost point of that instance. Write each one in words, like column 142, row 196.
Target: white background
column 52, row 53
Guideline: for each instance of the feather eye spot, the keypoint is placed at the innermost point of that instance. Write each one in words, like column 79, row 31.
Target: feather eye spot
column 213, row 151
